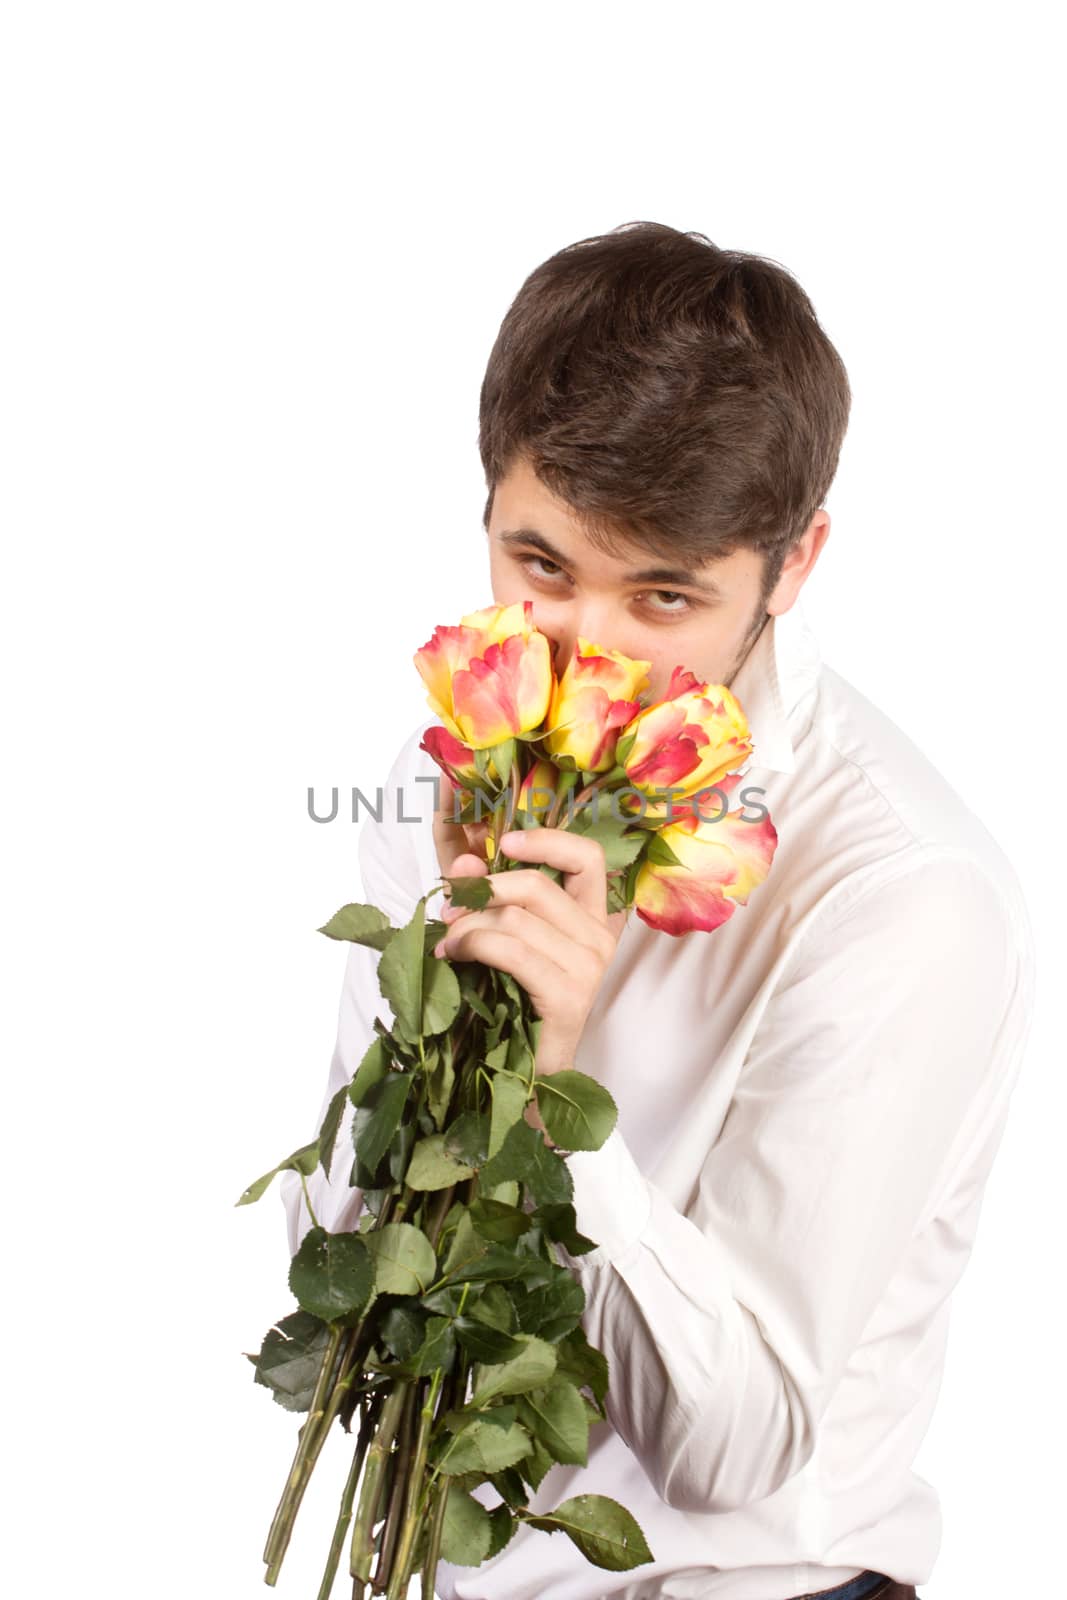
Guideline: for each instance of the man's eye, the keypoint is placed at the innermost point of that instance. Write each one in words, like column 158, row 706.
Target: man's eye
column 545, row 563
column 672, row 594
column 676, row 610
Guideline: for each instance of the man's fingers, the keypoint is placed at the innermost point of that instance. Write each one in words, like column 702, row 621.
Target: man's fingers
column 463, row 867
column 448, row 836
column 452, row 839
column 581, row 860
column 542, row 977
column 561, row 914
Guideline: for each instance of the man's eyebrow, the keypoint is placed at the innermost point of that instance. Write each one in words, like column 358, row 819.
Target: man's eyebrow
column 661, row 575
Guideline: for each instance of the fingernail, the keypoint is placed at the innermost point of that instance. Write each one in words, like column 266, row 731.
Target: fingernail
column 507, row 840
column 439, row 948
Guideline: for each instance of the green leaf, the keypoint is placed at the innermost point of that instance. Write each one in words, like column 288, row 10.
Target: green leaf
column 514, row 1159
column 400, row 1150
column 331, row 1274
column 560, row 1224
column 603, row 1530
column 467, row 1531
column 510, row 1487
column 481, row 1447
column 502, row 1013
column 440, row 995
column 620, row 847
column 438, row 1349
column 525, row 1156
column 529, row 1370
column 378, row 1117
column 371, row 1070
column 467, row 1138
column 330, row 1124
column 506, row 1193
column 360, row 924
column 440, row 1079
column 549, row 1179
column 486, row 1344
column 554, row 1309
column 623, row 747
column 447, row 1299
column 494, row 1262
column 468, row 983
column 616, row 896
column 660, row 853
column 501, row 1416
column 510, row 985
column 520, row 1057
column 403, row 1328
column 503, row 1525
column 630, row 881
column 400, row 972
column 303, row 1160
column 496, row 1055
column 290, row 1357
column 496, row 1221
column 536, row 1464
column 578, row 1112
column 494, row 1307
column 466, row 1247
column 404, row 1260
column 581, row 1363
column 431, row 1167
column 557, row 1416
column 474, row 893
column 502, row 755
column 509, row 1103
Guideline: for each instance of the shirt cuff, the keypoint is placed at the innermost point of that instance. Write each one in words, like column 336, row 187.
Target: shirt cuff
column 612, row 1200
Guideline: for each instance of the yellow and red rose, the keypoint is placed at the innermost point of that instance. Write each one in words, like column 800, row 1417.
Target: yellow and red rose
column 719, row 863
column 489, row 678
column 455, row 760
column 594, row 700
column 687, row 741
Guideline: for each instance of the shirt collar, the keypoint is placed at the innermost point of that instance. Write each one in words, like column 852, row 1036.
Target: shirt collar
column 778, row 671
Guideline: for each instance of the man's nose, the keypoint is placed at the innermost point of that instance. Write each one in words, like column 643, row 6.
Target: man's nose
column 594, row 629
column 562, row 649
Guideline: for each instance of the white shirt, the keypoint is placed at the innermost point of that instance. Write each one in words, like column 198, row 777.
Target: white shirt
column 810, row 1100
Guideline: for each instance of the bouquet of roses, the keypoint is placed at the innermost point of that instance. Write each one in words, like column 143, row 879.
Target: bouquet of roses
column 444, row 1326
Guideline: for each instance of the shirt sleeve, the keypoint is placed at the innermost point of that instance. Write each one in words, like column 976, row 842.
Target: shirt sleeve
column 391, row 875
column 727, row 1328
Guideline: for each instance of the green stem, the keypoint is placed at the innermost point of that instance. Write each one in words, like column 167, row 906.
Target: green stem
column 362, row 1547
column 567, row 780
column 436, row 1221
column 312, row 1439
column 307, row 1201
column 455, row 1396
column 516, row 787
column 592, row 788
column 366, row 1430
column 277, row 1537
column 401, row 1573
column 398, row 1493
column 437, row 1522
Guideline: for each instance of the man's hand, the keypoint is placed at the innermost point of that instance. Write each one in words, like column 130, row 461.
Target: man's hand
column 555, row 939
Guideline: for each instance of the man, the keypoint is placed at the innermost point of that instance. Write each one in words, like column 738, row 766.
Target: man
column 811, row 1097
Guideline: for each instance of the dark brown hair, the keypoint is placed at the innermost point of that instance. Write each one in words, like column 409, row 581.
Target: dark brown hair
column 676, row 396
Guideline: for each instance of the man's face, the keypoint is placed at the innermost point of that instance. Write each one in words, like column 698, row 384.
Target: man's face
column 702, row 618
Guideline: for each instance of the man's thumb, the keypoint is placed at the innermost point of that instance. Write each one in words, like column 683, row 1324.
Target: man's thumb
column 449, row 836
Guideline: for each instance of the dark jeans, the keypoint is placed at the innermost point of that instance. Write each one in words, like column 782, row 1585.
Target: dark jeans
column 868, row 1586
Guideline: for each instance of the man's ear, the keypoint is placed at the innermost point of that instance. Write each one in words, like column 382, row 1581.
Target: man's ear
column 798, row 564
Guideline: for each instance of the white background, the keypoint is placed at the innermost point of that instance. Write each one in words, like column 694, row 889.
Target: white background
column 255, row 258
